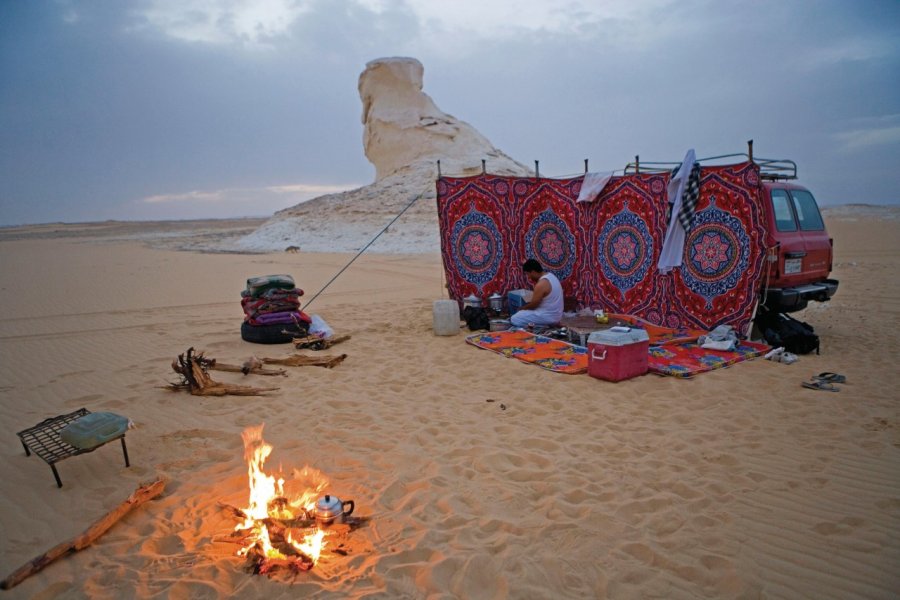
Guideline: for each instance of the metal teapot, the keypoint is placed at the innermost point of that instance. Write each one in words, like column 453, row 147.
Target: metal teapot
column 330, row 508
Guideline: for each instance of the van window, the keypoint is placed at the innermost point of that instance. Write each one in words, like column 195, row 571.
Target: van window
column 807, row 211
column 781, row 207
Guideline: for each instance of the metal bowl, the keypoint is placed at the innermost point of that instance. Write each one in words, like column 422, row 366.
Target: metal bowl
column 500, row 324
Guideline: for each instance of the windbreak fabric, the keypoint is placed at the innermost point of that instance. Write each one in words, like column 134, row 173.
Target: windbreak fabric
column 605, row 252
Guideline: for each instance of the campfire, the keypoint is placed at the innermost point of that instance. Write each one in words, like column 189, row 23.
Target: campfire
column 282, row 529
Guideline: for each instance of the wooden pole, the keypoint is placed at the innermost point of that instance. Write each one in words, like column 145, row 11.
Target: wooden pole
column 141, row 495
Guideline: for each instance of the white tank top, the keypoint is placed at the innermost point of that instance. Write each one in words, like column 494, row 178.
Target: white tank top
column 552, row 303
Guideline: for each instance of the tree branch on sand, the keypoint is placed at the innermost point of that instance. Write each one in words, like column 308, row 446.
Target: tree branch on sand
column 194, row 368
column 299, row 360
column 142, row 494
column 316, row 343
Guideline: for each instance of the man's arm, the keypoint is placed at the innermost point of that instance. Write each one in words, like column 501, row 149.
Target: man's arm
column 541, row 289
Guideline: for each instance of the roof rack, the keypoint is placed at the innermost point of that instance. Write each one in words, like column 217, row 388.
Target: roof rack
column 771, row 169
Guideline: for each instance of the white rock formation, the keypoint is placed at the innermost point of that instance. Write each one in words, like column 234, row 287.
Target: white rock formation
column 405, row 135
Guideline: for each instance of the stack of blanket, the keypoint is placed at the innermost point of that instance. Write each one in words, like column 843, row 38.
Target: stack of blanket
column 271, row 300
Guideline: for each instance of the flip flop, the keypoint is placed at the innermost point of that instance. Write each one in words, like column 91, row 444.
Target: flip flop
column 830, row 377
column 817, row 384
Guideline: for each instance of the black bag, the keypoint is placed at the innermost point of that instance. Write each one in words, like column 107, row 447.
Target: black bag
column 780, row 330
column 476, row 318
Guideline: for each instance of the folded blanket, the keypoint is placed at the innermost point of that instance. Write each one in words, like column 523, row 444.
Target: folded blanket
column 253, row 307
column 288, row 317
column 258, row 285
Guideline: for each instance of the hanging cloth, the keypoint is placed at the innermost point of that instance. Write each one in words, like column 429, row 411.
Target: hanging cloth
column 689, row 199
column 592, row 185
column 673, row 244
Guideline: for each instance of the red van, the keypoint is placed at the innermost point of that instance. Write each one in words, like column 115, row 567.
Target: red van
column 800, row 259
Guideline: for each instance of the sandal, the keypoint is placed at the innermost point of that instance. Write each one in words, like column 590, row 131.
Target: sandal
column 817, row 384
column 830, row 377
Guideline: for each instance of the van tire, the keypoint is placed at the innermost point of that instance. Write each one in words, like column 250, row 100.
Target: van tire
column 270, row 334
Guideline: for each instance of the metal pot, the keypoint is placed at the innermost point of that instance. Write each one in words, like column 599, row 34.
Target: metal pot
column 496, row 301
column 329, row 508
column 472, row 300
column 500, row 324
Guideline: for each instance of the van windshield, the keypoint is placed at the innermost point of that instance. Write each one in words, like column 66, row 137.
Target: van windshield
column 807, row 211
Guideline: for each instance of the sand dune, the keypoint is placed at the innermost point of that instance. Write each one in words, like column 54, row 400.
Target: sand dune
column 737, row 484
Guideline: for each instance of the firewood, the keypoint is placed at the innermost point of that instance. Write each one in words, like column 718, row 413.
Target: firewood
column 235, row 512
column 348, row 523
column 246, row 371
column 316, row 343
column 193, row 370
column 299, row 360
column 141, row 495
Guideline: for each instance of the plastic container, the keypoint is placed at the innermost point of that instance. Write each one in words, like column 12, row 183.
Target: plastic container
column 618, row 353
column 517, row 298
column 445, row 319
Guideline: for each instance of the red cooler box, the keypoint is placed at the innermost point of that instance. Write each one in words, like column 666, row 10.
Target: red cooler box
column 618, row 353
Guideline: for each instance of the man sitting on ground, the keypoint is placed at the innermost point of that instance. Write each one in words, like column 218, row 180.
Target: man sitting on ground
column 546, row 306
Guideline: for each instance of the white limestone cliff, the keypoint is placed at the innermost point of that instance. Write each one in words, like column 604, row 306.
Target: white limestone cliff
column 405, row 134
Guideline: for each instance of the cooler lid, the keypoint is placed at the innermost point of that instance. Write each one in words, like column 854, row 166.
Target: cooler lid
column 618, row 336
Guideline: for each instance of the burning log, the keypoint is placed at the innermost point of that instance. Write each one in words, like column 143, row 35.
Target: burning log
column 194, row 368
column 141, row 495
column 316, row 343
column 299, row 360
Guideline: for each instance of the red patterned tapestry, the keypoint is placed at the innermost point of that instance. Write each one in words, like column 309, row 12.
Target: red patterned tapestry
column 605, row 252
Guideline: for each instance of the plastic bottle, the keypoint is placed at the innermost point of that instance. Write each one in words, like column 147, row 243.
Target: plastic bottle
column 446, row 317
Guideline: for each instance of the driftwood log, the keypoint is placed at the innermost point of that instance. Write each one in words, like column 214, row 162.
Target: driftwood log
column 247, row 369
column 316, row 343
column 141, row 495
column 194, row 368
column 299, row 360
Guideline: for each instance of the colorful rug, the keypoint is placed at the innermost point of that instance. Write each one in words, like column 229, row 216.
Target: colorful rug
column 605, row 252
column 542, row 351
column 687, row 360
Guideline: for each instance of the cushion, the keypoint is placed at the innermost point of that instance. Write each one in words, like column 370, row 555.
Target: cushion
column 94, row 429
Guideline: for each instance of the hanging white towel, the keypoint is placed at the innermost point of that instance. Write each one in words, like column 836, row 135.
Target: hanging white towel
column 673, row 245
column 592, row 185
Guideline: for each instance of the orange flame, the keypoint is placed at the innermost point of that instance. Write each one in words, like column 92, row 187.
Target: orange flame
column 268, row 500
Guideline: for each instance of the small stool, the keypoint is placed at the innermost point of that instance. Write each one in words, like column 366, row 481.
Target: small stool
column 44, row 439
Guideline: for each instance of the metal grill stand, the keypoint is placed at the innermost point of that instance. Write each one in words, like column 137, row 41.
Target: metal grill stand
column 43, row 439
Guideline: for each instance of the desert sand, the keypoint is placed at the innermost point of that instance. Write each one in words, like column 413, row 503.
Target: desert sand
column 736, row 484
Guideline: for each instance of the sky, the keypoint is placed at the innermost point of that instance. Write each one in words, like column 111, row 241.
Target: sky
column 180, row 109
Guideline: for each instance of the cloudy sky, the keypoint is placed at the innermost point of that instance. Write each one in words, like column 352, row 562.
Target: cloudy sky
column 170, row 109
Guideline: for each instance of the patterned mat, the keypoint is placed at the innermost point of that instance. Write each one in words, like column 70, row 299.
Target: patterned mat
column 687, row 360
column 542, row 351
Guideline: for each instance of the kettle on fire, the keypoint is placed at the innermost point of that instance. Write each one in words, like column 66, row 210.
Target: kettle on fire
column 330, row 508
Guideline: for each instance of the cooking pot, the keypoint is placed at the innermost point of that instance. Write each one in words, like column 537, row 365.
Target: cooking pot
column 472, row 300
column 496, row 301
column 500, row 324
column 329, row 508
